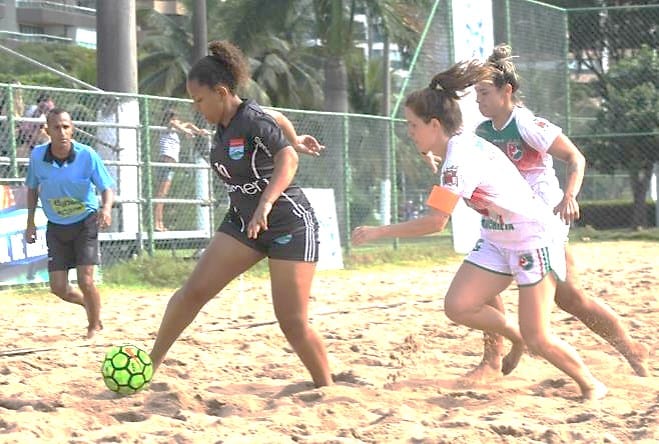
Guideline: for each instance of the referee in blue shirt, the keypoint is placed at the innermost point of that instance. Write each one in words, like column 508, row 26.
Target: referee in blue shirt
column 65, row 175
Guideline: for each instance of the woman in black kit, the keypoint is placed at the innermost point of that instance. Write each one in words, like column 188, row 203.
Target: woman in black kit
column 269, row 215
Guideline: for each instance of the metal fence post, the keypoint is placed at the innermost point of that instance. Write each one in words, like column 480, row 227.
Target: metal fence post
column 394, row 174
column 346, row 179
column 148, row 176
column 13, row 166
column 568, row 92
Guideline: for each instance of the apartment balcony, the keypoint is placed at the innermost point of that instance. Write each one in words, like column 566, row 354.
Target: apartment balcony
column 51, row 13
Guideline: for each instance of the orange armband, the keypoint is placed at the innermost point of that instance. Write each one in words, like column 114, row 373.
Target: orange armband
column 442, row 199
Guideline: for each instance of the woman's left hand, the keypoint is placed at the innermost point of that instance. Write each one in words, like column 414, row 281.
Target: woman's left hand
column 307, row 144
column 259, row 220
column 364, row 234
column 568, row 209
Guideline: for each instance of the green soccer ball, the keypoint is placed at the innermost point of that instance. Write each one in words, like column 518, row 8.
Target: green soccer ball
column 127, row 369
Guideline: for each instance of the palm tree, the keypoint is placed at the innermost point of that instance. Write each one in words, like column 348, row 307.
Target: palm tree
column 336, row 30
column 282, row 66
column 163, row 61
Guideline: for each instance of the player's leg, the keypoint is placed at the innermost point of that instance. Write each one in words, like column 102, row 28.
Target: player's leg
column 291, row 288
column 535, row 303
column 466, row 303
column 86, row 248
column 60, row 287
column 600, row 318
column 92, row 298
column 223, row 260
column 493, row 349
column 159, row 208
column 61, row 257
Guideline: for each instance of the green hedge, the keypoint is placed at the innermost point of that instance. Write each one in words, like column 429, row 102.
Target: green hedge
column 606, row 215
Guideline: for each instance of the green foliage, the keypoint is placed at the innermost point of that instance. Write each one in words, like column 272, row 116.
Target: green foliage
column 591, row 234
column 606, row 215
column 73, row 60
column 630, row 113
column 163, row 54
column 157, row 271
column 436, row 249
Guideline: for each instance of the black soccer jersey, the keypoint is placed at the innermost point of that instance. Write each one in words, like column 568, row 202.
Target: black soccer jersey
column 243, row 157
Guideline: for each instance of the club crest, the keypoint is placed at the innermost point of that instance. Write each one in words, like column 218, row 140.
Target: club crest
column 526, row 261
column 236, row 148
column 450, row 176
column 514, row 151
column 284, row 239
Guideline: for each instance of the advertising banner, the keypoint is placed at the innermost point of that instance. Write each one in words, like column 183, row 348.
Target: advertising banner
column 20, row 262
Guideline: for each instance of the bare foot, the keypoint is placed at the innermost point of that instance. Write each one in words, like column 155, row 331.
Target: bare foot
column 484, row 372
column 513, row 357
column 92, row 329
column 597, row 391
column 637, row 356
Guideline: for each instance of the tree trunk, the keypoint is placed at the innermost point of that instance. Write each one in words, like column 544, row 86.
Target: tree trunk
column 199, row 31
column 640, row 181
column 336, row 100
column 336, row 85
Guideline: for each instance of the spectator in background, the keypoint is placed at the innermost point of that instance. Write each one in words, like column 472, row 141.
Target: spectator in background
column 107, row 137
column 107, row 145
column 169, row 147
column 33, row 133
column 18, row 110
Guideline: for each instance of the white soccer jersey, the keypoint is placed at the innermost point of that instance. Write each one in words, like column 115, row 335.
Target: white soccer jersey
column 513, row 217
column 525, row 139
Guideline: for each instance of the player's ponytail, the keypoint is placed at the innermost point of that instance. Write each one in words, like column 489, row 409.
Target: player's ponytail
column 225, row 65
column 503, row 68
column 440, row 99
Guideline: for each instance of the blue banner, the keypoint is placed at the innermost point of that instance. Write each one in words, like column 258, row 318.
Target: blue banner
column 20, row 262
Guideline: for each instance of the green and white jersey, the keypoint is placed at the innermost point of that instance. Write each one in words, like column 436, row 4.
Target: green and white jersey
column 525, row 139
column 513, row 216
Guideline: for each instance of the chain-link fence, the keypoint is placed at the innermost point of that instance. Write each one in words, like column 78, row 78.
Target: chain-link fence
column 600, row 85
column 614, row 111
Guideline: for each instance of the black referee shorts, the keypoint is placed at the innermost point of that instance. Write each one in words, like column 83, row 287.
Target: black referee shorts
column 72, row 245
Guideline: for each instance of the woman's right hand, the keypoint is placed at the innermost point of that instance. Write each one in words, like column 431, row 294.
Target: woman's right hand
column 364, row 234
column 31, row 234
column 259, row 220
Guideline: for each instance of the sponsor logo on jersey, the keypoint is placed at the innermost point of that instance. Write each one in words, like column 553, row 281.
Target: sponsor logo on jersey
column 489, row 224
column 450, row 176
column 258, row 143
column 526, row 261
column 541, row 123
column 514, row 151
column 221, row 170
column 249, row 188
column 283, row 240
column 237, row 148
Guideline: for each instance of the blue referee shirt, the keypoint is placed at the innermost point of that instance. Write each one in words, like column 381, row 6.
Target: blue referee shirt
column 67, row 189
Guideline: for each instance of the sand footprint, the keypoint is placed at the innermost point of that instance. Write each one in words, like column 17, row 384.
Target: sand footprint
column 130, row 416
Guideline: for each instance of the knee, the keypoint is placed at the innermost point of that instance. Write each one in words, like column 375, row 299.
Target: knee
column 455, row 309
column 193, row 295
column 87, row 285
column 570, row 299
column 294, row 328
column 59, row 289
column 536, row 342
